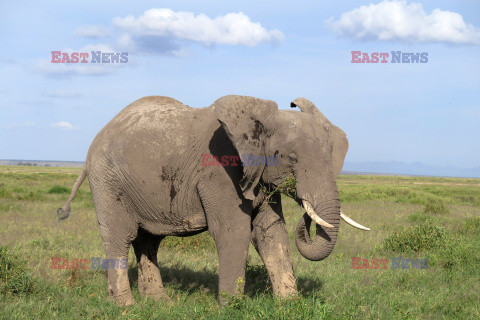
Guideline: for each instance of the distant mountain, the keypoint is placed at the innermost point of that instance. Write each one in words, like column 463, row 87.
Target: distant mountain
column 415, row 168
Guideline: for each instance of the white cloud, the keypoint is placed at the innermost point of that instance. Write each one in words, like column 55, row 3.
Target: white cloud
column 92, row 32
column 64, row 125
column 399, row 21
column 63, row 94
column 94, row 47
column 230, row 29
column 159, row 31
column 147, row 44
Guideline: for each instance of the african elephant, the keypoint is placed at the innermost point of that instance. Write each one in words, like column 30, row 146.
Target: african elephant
column 149, row 180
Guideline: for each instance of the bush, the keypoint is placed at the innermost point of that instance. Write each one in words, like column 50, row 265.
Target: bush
column 435, row 207
column 13, row 276
column 420, row 237
column 58, row 190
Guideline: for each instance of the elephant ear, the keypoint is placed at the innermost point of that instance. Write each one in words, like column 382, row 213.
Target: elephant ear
column 339, row 149
column 337, row 136
column 243, row 119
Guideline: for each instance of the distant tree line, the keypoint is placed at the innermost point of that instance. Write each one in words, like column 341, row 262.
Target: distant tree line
column 32, row 164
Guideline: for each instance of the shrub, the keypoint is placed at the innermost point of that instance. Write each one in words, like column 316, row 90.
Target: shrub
column 13, row 276
column 58, row 190
column 420, row 237
column 435, row 207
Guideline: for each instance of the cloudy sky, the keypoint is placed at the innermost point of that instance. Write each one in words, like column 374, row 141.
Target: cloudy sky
column 197, row 52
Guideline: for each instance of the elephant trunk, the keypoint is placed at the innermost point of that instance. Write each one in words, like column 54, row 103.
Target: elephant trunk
column 327, row 218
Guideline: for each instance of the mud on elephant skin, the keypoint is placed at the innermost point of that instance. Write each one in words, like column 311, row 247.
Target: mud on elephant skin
column 147, row 180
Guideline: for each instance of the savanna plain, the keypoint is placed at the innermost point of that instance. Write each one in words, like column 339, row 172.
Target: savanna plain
column 437, row 219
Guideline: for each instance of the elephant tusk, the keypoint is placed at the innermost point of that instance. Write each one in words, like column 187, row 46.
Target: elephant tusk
column 351, row 222
column 308, row 207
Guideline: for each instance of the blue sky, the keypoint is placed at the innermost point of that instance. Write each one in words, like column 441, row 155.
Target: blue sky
column 197, row 52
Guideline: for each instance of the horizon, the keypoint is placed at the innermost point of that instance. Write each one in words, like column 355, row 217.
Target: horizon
column 348, row 168
column 424, row 112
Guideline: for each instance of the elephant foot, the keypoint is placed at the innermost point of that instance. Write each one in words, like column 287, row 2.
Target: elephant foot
column 287, row 287
column 120, row 293
column 125, row 299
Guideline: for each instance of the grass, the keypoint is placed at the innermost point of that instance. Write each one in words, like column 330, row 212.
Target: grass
column 411, row 217
column 420, row 237
column 14, row 278
column 436, row 208
column 59, row 190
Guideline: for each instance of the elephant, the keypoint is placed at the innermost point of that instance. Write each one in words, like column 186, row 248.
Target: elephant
column 148, row 181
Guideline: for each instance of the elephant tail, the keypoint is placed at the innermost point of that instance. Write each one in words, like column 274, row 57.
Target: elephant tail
column 63, row 213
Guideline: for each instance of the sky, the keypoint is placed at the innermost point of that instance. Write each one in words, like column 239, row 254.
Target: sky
column 197, row 52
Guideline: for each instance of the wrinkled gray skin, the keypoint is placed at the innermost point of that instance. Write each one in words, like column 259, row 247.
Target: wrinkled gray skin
column 147, row 182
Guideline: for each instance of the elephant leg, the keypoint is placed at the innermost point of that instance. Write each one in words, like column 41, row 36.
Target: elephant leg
column 116, row 247
column 229, row 224
column 150, row 283
column 118, row 230
column 270, row 239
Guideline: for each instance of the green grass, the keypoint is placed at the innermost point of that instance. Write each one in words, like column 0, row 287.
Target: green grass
column 59, row 190
column 417, row 238
column 418, row 190
column 14, row 278
column 411, row 217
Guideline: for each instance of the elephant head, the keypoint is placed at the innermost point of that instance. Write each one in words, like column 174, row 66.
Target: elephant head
column 307, row 147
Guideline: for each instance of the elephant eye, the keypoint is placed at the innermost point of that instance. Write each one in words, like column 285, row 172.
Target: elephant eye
column 292, row 157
